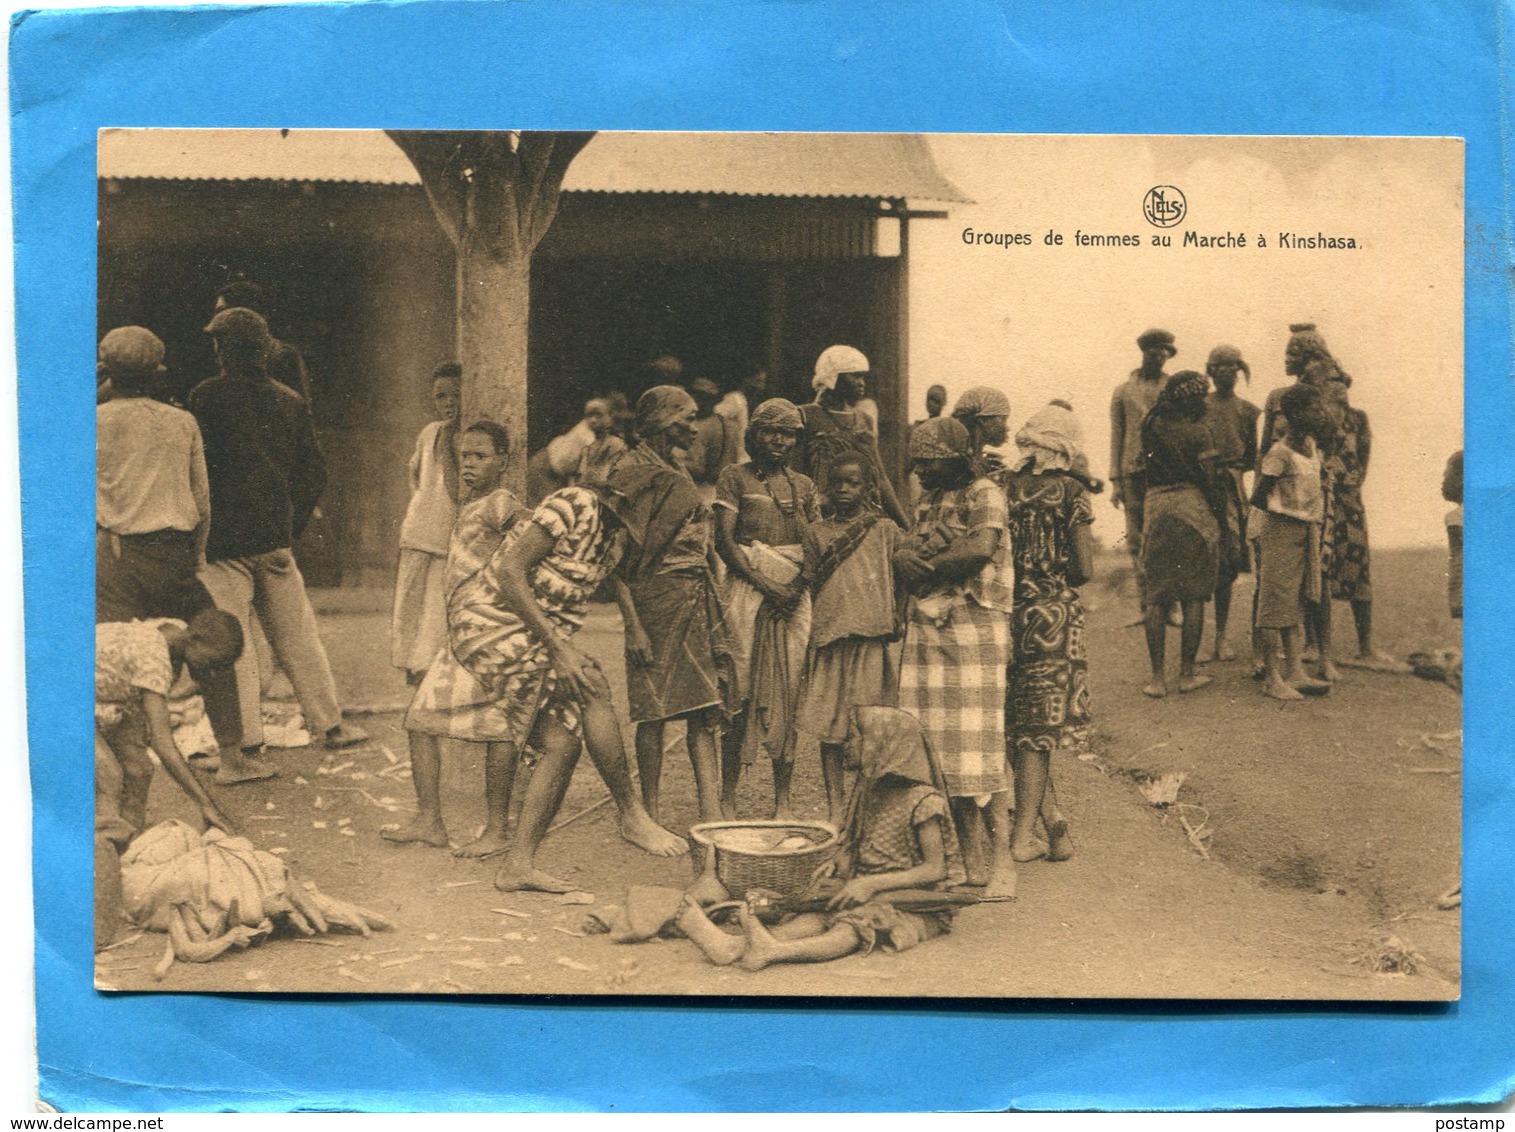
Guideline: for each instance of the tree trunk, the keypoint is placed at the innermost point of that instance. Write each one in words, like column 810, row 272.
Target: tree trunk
column 494, row 298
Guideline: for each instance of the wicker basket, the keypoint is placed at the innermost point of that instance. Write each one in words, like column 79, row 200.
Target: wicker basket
column 741, row 865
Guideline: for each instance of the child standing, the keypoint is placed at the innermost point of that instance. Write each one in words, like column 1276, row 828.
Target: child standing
column 853, row 624
column 1289, row 491
column 762, row 510
column 898, row 835
column 1048, row 706
column 419, row 623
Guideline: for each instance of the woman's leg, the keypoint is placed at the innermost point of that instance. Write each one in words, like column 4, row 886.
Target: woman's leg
column 834, row 774
column 1318, row 615
column 732, row 740
column 970, row 833
column 500, row 762
column 649, row 743
column 1030, row 789
column 996, row 816
column 544, row 795
column 700, row 737
column 602, row 735
column 1362, row 615
column 1281, row 658
column 1223, row 649
column 1156, row 616
column 783, row 774
column 1194, row 628
column 130, row 747
column 426, row 777
column 1059, row 842
column 764, row 948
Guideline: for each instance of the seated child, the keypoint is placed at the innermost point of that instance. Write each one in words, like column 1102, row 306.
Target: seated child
column 1288, row 491
column 899, row 836
column 135, row 666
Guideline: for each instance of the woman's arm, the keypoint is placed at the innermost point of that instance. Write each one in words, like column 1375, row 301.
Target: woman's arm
column 638, row 646
column 1261, row 492
column 967, row 555
column 735, row 555
column 160, row 734
column 931, row 870
column 518, row 560
column 1080, row 555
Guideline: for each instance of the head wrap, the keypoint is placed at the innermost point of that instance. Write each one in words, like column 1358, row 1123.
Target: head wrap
column 940, row 438
column 659, row 407
column 777, row 413
column 834, row 361
column 981, row 401
column 131, row 351
column 1163, row 338
column 1304, row 338
column 1051, row 441
column 1228, row 355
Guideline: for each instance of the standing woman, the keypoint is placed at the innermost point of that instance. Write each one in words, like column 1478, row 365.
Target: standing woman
column 957, row 564
column 985, row 413
column 1048, row 710
column 762, row 511
column 1181, row 535
column 678, row 664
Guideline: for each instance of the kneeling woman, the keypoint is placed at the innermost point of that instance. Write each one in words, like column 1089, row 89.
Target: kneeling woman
column 899, row 838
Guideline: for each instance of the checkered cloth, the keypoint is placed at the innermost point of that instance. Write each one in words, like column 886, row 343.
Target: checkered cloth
column 953, row 679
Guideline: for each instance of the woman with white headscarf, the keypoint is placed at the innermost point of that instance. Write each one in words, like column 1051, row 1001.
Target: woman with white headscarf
column 834, row 427
column 1047, row 709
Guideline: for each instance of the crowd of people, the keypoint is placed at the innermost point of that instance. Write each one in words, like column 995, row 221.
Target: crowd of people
column 773, row 587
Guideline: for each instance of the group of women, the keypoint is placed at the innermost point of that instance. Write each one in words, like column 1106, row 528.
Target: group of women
column 761, row 622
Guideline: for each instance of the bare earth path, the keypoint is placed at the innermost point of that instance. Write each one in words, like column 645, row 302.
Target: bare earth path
column 1327, row 830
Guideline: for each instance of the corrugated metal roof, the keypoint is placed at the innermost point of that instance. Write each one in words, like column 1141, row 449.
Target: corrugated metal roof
column 790, row 165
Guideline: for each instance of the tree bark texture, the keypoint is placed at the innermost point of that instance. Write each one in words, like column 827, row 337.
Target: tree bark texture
column 495, row 193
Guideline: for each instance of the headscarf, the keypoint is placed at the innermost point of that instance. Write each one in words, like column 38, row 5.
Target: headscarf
column 886, row 741
column 1051, row 441
column 981, row 401
column 834, row 361
column 1304, row 338
column 940, row 438
column 1228, row 355
column 778, row 413
column 659, row 407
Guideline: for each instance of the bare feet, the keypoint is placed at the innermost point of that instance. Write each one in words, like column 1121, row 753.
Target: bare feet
column 1028, row 850
column 1377, row 662
column 650, row 837
column 720, row 948
column 490, row 843
column 761, row 948
column 1001, row 884
column 235, row 770
column 514, row 879
column 1193, row 682
column 707, row 890
column 422, row 831
column 1157, row 690
column 1278, row 690
column 1223, row 652
column 1328, row 671
column 1310, row 687
column 1059, row 843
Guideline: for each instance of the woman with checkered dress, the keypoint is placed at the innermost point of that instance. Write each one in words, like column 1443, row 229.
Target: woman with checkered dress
column 957, row 564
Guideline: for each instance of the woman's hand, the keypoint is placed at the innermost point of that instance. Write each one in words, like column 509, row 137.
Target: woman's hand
column 214, row 818
column 578, row 671
column 858, row 890
column 638, row 646
column 911, row 566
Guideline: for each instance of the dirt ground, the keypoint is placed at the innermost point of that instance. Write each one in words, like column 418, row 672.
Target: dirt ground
column 1301, row 860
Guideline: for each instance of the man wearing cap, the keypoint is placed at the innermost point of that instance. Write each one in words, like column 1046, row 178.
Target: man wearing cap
column 1132, row 401
column 266, row 473
column 834, row 427
column 285, row 363
column 152, row 516
column 1232, row 421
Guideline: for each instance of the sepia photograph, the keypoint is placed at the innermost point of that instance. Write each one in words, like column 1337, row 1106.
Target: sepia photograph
column 952, row 566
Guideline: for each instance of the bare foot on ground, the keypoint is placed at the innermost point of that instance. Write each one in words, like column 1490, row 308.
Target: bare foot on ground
column 1059, row 842
column 652, row 838
column 1278, row 690
column 720, row 948
column 512, row 879
column 490, row 843
column 1001, row 884
column 422, row 831
column 1028, row 850
column 234, row 771
column 761, row 947
column 1157, row 690
column 1329, row 672
column 1193, row 683
column 1223, row 652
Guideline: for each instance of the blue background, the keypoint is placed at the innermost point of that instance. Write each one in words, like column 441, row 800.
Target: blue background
column 1431, row 67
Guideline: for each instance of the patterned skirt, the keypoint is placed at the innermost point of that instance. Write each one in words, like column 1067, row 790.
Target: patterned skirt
column 953, row 678
column 1048, row 706
column 691, row 663
column 1344, row 547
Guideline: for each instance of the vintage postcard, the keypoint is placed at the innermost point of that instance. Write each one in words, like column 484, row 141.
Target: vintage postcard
column 736, row 564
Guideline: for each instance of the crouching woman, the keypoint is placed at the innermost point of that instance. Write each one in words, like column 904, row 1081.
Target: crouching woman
column 899, row 840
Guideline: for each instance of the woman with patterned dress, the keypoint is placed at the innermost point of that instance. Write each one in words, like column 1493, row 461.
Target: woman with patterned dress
column 956, row 563
column 1048, row 708
column 512, row 678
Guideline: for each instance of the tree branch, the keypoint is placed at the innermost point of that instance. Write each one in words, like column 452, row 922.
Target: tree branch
column 435, row 155
column 545, row 158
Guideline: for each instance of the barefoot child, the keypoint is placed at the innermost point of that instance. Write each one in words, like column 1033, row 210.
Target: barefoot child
column 853, row 623
column 762, row 510
column 898, row 836
column 1289, row 491
column 418, row 626
column 136, row 663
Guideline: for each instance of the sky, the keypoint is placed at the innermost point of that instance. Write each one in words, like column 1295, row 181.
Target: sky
column 1044, row 322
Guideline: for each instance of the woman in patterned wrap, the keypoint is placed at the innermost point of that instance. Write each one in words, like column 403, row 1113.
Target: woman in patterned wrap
column 1048, row 707
column 957, row 566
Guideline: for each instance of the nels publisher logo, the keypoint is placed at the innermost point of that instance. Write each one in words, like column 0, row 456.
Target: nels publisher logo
column 1164, row 206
